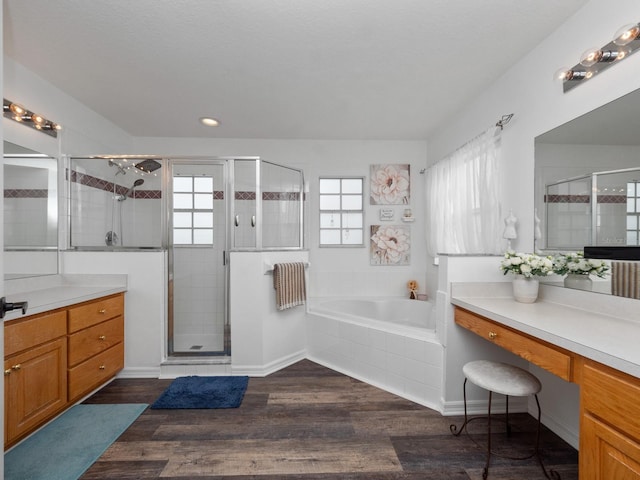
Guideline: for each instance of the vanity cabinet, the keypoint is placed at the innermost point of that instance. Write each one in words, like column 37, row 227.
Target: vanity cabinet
column 55, row 358
column 96, row 344
column 35, row 372
column 610, row 411
column 610, row 424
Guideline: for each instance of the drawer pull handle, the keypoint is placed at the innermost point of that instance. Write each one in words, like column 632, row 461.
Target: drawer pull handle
column 102, row 367
column 7, row 371
column 493, row 335
column 102, row 337
column 104, row 310
column 16, row 367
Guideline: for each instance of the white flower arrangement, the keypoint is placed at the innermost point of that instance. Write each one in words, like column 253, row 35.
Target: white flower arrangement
column 526, row 264
column 575, row 262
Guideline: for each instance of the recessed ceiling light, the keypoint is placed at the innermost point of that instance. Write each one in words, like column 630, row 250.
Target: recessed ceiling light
column 209, row 122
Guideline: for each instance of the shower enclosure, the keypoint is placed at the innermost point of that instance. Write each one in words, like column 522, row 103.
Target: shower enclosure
column 198, row 210
column 600, row 209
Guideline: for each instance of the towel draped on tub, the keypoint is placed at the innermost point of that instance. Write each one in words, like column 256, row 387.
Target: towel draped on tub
column 288, row 280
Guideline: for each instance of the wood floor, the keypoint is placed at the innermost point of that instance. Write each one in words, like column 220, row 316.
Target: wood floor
column 309, row 422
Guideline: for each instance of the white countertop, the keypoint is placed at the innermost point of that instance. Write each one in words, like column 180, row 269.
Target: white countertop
column 57, row 291
column 608, row 335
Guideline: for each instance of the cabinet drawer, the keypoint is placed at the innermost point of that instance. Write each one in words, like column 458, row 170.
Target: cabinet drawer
column 29, row 332
column 535, row 351
column 612, row 396
column 94, row 371
column 97, row 311
column 90, row 341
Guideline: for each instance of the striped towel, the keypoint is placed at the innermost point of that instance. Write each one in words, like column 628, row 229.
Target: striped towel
column 625, row 279
column 288, row 280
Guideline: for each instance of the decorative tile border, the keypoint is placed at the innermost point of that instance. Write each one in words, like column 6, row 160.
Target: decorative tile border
column 584, row 198
column 95, row 182
column 26, row 193
column 100, row 184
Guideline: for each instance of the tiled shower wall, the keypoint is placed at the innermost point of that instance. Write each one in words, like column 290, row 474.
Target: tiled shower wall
column 94, row 188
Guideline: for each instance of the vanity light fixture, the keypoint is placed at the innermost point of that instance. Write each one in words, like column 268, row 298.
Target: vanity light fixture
column 625, row 42
column 18, row 113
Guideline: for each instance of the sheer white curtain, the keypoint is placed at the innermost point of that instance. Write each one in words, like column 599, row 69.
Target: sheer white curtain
column 463, row 199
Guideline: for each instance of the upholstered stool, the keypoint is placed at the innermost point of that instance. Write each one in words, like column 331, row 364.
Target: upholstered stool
column 507, row 380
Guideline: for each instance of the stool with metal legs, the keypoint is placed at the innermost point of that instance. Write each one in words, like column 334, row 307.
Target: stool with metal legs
column 507, row 380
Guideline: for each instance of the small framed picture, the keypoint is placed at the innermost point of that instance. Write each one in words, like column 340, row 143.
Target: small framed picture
column 386, row 214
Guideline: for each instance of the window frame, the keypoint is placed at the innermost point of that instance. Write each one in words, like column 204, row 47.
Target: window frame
column 192, row 211
column 340, row 212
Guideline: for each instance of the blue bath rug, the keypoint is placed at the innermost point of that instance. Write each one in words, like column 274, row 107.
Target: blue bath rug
column 65, row 448
column 203, row 392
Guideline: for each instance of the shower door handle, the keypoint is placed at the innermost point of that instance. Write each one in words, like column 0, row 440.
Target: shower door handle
column 237, row 220
column 253, row 220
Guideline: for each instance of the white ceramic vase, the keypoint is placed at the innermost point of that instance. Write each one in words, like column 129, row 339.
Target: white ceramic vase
column 525, row 289
column 579, row 281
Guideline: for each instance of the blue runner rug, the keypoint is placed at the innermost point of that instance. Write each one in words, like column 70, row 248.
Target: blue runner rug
column 65, row 448
column 203, row 392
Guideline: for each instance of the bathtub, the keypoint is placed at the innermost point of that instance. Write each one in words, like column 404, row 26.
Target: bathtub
column 413, row 318
column 388, row 342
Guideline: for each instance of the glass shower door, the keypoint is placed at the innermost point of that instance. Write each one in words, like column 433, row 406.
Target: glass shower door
column 197, row 283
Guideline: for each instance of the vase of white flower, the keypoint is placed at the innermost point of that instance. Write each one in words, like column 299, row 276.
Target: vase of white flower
column 579, row 269
column 578, row 281
column 525, row 289
column 526, row 268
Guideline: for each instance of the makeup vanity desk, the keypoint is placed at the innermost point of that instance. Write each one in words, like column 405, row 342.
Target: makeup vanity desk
column 573, row 335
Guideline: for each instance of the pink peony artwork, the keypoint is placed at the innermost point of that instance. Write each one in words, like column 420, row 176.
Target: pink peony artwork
column 390, row 244
column 390, row 184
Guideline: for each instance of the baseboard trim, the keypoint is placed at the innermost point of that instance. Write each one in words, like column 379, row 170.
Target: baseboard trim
column 269, row 368
column 479, row 407
column 139, row 372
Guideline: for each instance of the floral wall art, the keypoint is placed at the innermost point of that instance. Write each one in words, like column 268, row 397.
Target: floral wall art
column 390, row 184
column 390, row 244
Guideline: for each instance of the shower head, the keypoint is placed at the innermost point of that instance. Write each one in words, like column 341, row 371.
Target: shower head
column 149, row 165
column 124, row 196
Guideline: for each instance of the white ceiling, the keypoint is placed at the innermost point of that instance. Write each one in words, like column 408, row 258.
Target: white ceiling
column 322, row 69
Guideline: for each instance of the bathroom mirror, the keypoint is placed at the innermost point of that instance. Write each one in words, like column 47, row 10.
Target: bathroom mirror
column 586, row 176
column 30, row 212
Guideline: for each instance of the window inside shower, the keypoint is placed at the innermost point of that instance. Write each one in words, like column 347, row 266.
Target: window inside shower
column 115, row 203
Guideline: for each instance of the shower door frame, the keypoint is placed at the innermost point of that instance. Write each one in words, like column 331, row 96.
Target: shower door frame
column 225, row 353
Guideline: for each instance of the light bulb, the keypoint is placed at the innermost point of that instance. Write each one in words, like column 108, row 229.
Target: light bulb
column 563, row 74
column 591, row 57
column 627, row 34
column 17, row 109
column 37, row 119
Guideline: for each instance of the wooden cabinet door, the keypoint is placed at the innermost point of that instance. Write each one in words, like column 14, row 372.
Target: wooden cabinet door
column 606, row 454
column 35, row 387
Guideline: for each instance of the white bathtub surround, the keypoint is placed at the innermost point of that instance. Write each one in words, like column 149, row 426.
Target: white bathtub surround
column 359, row 337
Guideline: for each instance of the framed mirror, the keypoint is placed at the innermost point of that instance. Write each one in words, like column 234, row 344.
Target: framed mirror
column 587, row 182
column 30, row 212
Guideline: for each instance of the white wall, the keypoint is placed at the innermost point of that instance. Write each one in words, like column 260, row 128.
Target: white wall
column 263, row 339
column 528, row 90
column 335, row 271
column 83, row 131
column 145, row 302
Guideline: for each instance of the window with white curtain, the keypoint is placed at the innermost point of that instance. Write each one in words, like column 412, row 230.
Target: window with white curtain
column 463, row 199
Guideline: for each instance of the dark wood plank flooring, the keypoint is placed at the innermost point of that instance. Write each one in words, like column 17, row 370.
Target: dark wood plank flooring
column 309, row 422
